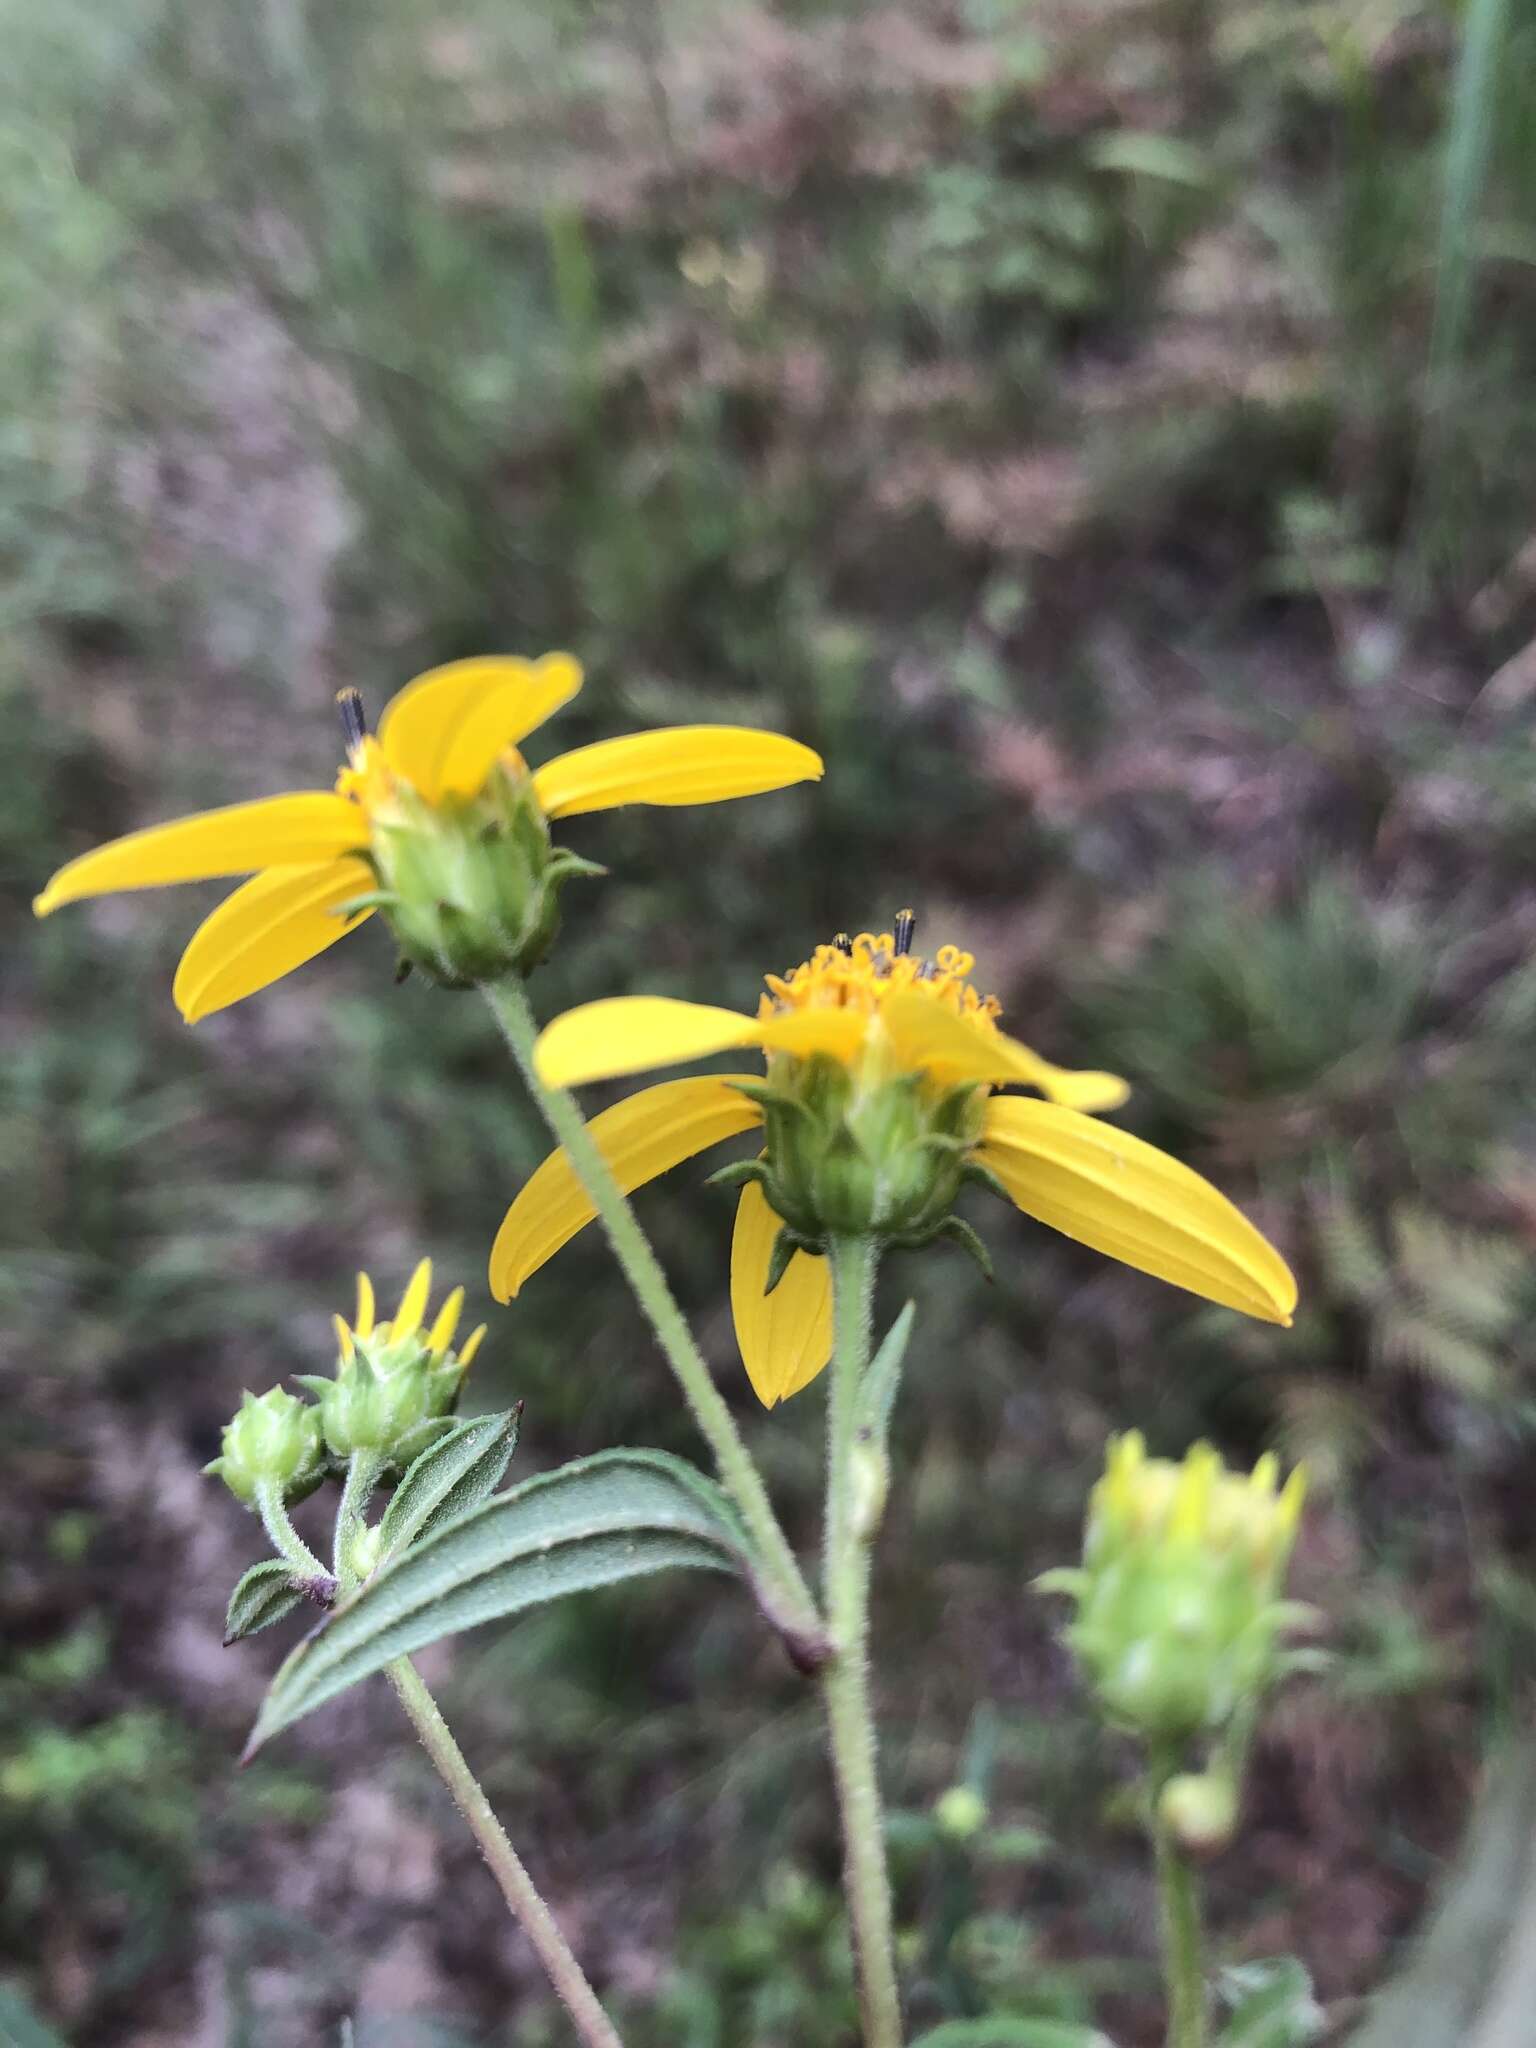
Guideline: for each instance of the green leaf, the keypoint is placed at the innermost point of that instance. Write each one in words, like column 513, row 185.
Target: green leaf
column 594, row 1522
column 264, row 1595
column 1012, row 2030
column 1272, row 2005
column 20, row 2026
column 451, row 1476
column 877, row 1396
column 1147, row 155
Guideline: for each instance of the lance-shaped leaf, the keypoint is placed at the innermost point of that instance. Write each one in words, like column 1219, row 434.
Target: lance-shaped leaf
column 451, row 1476
column 877, row 1396
column 594, row 1522
column 263, row 1595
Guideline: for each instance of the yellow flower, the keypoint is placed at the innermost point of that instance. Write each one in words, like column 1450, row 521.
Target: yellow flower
column 438, row 821
column 879, row 1101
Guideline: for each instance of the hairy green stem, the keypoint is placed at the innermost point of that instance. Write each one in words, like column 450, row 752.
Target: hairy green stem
column 783, row 1586
column 363, row 1470
column 845, row 1677
column 592, row 2024
column 1183, row 1957
column 287, row 1542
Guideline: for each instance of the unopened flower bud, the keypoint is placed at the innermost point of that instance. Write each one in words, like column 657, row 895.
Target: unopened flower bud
column 960, row 1813
column 273, row 1439
column 1199, row 1809
column 1180, row 1598
column 396, row 1381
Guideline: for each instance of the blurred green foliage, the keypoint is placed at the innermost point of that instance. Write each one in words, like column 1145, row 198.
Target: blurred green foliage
column 1104, row 432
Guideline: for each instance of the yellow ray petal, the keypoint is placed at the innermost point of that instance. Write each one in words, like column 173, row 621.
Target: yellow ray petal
column 506, row 713
column 627, row 1034
column 785, row 1337
column 682, row 764
column 362, row 1322
column 413, row 1303
column 420, row 723
column 926, row 1033
column 343, row 1339
column 276, row 831
column 1127, row 1199
column 472, row 1344
column 268, row 927
column 837, row 1032
column 640, row 1138
column 441, row 1334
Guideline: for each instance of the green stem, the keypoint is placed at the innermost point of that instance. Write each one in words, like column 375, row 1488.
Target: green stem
column 517, row 1887
column 363, row 1469
column 1183, row 1948
column 845, row 1677
column 785, row 1592
column 287, row 1541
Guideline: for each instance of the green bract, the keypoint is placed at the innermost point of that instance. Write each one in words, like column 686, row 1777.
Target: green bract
column 470, row 885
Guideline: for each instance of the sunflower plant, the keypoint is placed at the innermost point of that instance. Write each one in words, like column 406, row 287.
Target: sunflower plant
column 887, row 1089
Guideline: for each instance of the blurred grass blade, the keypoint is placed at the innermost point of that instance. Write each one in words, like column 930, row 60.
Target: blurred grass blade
column 1468, row 149
column 595, row 1522
column 1012, row 2030
column 451, row 1477
column 19, row 2025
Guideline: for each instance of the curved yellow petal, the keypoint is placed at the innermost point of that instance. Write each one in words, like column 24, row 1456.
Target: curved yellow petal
column 505, row 714
column 275, row 831
column 472, row 1344
column 927, row 1033
column 413, row 1303
column 1125, row 1198
column 785, row 1337
column 640, row 1138
column 838, row 1032
column 344, row 1344
column 627, row 1034
column 681, row 764
column 448, row 716
column 269, row 926
column 363, row 1320
column 441, row 1334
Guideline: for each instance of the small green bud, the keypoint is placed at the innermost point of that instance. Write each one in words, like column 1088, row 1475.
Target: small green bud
column 1199, row 1809
column 869, row 1479
column 1180, row 1608
column 396, row 1382
column 960, row 1813
column 274, row 1438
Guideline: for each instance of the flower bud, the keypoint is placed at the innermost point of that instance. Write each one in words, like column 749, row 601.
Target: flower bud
column 960, row 1813
column 471, row 885
column 1179, row 1601
column 273, row 1439
column 1199, row 1809
column 396, row 1382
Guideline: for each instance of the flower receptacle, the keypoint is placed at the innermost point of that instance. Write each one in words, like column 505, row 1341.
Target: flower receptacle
column 470, row 886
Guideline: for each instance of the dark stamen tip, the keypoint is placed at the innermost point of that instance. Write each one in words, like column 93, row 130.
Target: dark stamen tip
column 906, row 925
column 354, row 720
column 843, row 943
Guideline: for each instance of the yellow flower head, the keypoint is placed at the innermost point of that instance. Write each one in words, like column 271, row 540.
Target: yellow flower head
column 1180, row 1607
column 437, row 821
column 396, row 1379
column 880, row 1099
